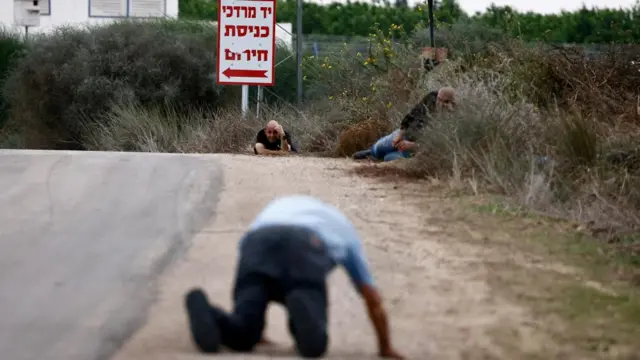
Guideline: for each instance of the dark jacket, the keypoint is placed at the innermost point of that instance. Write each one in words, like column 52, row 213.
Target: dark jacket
column 417, row 118
column 414, row 121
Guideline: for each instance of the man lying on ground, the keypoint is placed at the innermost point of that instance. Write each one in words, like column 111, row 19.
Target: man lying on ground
column 273, row 140
column 401, row 142
column 285, row 257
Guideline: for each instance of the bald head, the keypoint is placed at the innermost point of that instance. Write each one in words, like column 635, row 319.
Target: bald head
column 446, row 98
column 272, row 125
column 273, row 130
column 446, row 93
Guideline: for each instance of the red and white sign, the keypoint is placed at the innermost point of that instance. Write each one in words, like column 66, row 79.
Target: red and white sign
column 246, row 42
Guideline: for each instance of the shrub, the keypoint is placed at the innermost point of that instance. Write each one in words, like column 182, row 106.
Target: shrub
column 602, row 85
column 523, row 128
column 487, row 136
column 361, row 136
column 557, row 160
column 78, row 73
column 132, row 127
column 374, row 87
column 11, row 48
column 168, row 128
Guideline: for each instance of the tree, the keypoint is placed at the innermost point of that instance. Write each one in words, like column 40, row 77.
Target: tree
column 357, row 18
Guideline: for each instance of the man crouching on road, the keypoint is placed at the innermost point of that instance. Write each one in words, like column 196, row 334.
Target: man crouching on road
column 285, row 257
column 273, row 140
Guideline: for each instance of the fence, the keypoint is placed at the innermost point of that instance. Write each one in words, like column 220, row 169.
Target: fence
column 325, row 45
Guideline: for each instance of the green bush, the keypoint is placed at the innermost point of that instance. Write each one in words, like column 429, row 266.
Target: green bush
column 75, row 74
column 11, row 48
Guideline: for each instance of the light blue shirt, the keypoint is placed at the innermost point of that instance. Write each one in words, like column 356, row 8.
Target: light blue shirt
column 330, row 226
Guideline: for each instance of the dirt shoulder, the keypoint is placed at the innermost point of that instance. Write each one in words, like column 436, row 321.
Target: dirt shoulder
column 584, row 291
column 583, row 288
column 440, row 268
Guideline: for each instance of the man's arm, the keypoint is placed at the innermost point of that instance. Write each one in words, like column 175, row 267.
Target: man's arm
column 284, row 139
column 414, row 116
column 378, row 317
column 399, row 137
column 261, row 150
column 358, row 270
column 406, row 145
column 284, row 144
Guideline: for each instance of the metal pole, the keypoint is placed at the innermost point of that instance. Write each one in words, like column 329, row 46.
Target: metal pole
column 245, row 100
column 431, row 25
column 260, row 94
column 299, row 49
column 26, row 32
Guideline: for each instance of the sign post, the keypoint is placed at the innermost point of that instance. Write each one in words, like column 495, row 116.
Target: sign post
column 431, row 24
column 246, row 44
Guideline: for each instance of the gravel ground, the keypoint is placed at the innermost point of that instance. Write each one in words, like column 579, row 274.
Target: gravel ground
column 434, row 287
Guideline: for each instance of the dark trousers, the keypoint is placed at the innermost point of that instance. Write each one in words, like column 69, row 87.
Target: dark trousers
column 286, row 265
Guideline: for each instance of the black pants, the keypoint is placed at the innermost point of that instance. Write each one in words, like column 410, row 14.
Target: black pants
column 286, row 265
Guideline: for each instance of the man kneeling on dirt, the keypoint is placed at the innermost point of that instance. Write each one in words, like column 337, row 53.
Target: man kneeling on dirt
column 285, row 257
column 273, row 140
column 401, row 142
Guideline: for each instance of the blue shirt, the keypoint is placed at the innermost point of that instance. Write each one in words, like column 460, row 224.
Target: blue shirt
column 330, row 226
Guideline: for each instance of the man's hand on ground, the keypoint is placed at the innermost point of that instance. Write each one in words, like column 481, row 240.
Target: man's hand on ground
column 378, row 317
column 278, row 153
column 405, row 145
column 265, row 152
column 398, row 138
column 391, row 354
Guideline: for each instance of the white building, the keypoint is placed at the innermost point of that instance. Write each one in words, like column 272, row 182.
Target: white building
column 55, row 13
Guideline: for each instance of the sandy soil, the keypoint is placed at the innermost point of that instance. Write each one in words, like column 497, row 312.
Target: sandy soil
column 435, row 287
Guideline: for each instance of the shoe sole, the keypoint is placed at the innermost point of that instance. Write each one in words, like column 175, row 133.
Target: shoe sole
column 362, row 155
column 309, row 331
column 204, row 330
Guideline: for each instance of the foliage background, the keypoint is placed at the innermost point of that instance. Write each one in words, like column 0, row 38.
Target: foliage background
column 551, row 126
column 585, row 26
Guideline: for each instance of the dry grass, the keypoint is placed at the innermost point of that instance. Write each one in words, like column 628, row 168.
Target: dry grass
column 577, row 285
column 164, row 129
column 135, row 128
column 361, row 136
column 551, row 132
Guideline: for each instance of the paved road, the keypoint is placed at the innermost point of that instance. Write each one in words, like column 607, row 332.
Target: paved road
column 83, row 236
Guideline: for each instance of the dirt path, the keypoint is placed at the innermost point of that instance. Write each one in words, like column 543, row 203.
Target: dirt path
column 435, row 287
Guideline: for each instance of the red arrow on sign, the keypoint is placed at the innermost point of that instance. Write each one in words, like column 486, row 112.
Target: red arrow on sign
column 245, row 73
